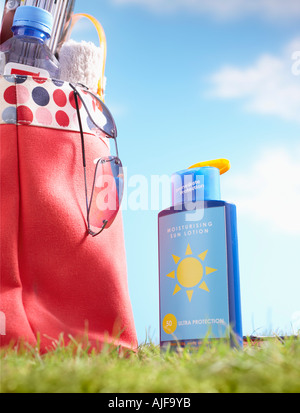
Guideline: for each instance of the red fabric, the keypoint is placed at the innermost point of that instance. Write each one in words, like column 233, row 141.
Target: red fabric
column 54, row 277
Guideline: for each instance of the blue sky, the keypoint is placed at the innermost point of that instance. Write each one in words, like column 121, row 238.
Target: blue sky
column 192, row 80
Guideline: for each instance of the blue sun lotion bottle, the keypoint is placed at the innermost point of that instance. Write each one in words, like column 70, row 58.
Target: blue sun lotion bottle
column 199, row 284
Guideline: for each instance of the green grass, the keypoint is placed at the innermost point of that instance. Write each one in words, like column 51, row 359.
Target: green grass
column 273, row 367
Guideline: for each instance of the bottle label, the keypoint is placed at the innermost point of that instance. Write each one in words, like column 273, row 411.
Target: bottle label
column 194, row 302
column 25, row 70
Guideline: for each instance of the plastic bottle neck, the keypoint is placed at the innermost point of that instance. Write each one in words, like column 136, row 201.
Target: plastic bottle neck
column 30, row 32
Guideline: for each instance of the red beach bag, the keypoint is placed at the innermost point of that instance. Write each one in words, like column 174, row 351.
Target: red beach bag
column 55, row 277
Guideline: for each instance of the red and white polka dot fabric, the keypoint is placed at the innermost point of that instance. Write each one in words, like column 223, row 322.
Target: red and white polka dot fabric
column 43, row 102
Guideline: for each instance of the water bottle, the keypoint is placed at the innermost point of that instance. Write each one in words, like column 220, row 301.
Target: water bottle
column 26, row 53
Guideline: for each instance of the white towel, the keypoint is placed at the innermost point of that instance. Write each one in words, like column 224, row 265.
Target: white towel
column 81, row 63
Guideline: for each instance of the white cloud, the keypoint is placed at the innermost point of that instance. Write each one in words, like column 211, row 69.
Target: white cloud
column 269, row 9
column 270, row 190
column 271, row 85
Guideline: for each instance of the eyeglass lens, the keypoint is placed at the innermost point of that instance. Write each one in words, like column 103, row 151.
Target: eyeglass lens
column 107, row 193
column 99, row 115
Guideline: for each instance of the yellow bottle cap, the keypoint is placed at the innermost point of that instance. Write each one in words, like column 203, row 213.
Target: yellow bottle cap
column 222, row 164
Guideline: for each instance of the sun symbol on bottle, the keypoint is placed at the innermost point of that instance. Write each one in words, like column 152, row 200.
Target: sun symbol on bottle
column 190, row 272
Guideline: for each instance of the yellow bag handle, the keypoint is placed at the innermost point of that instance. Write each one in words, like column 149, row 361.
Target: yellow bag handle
column 102, row 40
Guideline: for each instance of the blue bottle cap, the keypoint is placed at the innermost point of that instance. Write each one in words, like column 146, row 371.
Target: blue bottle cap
column 33, row 17
column 201, row 182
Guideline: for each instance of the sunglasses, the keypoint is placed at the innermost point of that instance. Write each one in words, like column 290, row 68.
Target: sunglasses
column 108, row 184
